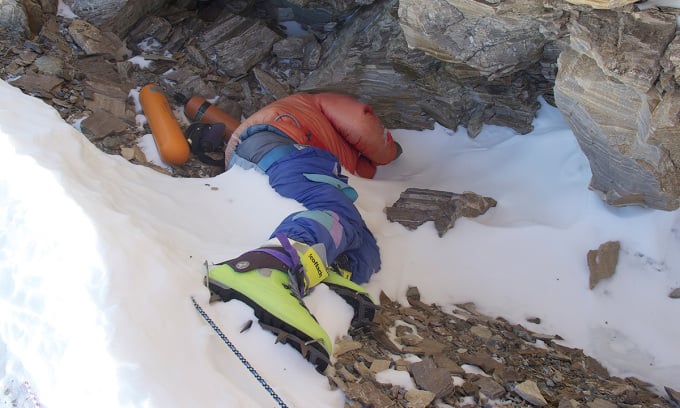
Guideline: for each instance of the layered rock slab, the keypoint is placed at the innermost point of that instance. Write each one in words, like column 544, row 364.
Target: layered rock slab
column 619, row 95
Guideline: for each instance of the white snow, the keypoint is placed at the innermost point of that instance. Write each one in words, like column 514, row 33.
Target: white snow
column 99, row 259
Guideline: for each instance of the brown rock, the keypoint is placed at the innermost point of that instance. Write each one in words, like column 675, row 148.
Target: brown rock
column 380, row 365
column 368, row 394
column 345, row 345
column 38, row 84
column 673, row 395
column 603, row 4
column 93, row 41
column 489, row 387
column 419, row 398
column 529, row 392
column 381, row 337
column 416, row 206
column 428, row 377
column 602, row 262
column 594, row 366
column 600, row 403
column 101, row 124
column 442, row 361
column 483, row 361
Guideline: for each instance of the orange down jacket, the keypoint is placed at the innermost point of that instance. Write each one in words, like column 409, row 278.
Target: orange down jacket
column 340, row 124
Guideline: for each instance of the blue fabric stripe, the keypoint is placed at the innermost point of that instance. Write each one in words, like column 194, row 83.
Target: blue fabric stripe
column 275, row 154
column 287, row 177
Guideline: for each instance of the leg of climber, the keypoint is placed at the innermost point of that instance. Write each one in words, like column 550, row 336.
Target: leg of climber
column 312, row 177
column 331, row 223
column 273, row 279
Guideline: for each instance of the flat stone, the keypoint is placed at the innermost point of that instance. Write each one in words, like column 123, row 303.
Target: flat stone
column 101, row 124
column 430, row 347
column 602, row 262
column 419, row 398
column 506, row 375
column 483, row 361
column 568, row 403
column 481, row 331
column 47, row 64
column 381, row 337
column 380, row 365
column 529, row 392
column 416, row 206
column 489, row 387
column 38, row 84
column 600, row 403
column 442, row 361
column 93, row 41
column 368, row 394
column 345, row 345
column 428, row 377
column 675, row 294
column 602, row 4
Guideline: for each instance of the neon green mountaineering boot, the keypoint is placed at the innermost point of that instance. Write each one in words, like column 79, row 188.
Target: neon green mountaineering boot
column 257, row 278
column 355, row 295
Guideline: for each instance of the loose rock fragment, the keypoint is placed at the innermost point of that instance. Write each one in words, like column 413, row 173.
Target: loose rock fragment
column 600, row 403
column 489, row 387
column 602, row 262
column 416, row 206
column 529, row 391
column 673, row 395
column 419, row 398
column 368, row 394
column 431, row 378
column 345, row 345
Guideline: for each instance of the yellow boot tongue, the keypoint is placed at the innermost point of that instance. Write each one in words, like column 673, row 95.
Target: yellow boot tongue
column 311, row 259
column 314, row 267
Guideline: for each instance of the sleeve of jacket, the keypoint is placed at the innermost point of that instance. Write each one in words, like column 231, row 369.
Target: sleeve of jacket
column 360, row 127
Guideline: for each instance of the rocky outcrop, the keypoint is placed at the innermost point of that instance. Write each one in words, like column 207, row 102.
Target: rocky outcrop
column 455, row 62
column 13, row 16
column 620, row 96
column 603, row 4
column 117, row 16
column 411, row 88
column 493, row 39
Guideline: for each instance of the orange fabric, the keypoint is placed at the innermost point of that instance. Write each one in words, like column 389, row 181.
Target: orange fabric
column 340, row 124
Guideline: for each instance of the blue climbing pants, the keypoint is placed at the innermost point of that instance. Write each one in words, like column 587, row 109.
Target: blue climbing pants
column 312, row 177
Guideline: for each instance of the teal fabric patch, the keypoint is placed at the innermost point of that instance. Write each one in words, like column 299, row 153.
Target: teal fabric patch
column 327, row 219
column 348, row 191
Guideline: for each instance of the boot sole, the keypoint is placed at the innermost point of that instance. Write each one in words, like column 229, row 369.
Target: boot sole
column 309, row 348
column 364, row 308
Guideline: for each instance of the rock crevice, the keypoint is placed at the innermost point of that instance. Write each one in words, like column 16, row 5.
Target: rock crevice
column 609, row 66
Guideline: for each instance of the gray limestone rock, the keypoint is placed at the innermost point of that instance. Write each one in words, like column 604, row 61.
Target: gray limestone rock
column 615, row 69
column 118, row 16
column 415, row 206
column 625, row 124
column 493, row 39
column 13, row 16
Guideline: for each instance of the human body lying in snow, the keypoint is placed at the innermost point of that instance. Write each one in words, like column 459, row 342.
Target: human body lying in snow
column 302, row 143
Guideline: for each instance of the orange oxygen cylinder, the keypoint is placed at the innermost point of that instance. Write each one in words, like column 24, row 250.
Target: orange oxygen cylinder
column 200, row 110
column 170, row 141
